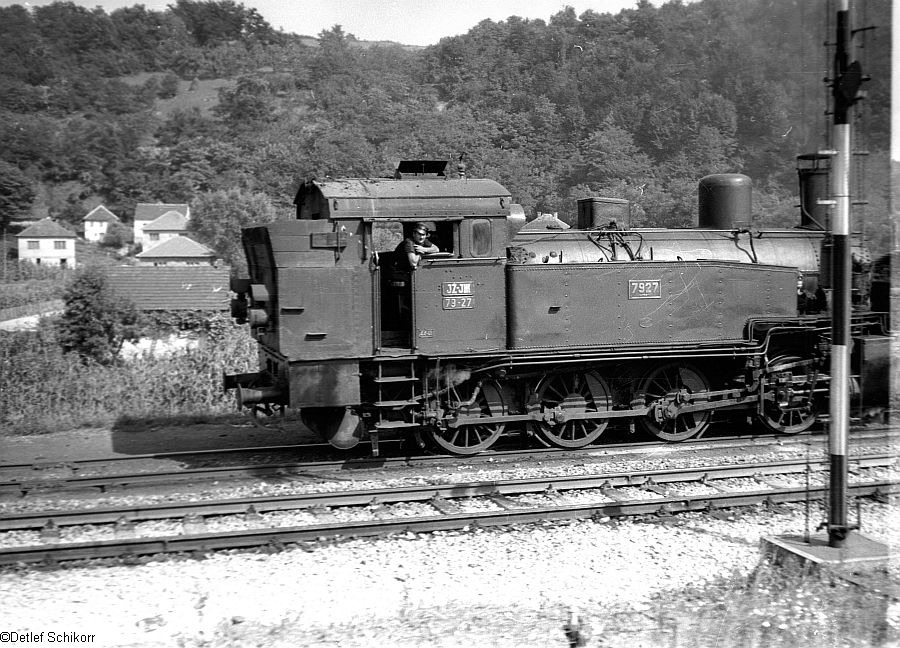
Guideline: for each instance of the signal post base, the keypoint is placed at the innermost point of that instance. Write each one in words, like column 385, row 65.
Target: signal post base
column 858, row 554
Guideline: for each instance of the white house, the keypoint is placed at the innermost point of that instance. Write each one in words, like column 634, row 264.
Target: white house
column 177, row 251
column 47, row 243
column 168, row 226
column 147, row 213
column 97, row 223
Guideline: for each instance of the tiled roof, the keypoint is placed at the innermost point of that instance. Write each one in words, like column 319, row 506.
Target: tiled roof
column 170, row 221
column 152, row 211
column 46, row 228
column 101, row 213
column 177, row 247
column 172, row 287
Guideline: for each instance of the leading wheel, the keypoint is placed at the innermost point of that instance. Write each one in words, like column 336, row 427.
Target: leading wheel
column 670, row 385
column 565, row 395
column 789, row 405
column 476, row 437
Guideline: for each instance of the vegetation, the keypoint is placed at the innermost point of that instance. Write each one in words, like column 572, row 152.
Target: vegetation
column 23, row 283
column 44, row 389
column 96, row 321
column 29, row 291
column 774, row 606
column 636, row 105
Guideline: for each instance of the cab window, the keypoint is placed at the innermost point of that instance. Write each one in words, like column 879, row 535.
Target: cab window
column 481, row 238
column 386, row 236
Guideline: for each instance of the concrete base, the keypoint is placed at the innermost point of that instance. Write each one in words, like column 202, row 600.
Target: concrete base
column 858, row 553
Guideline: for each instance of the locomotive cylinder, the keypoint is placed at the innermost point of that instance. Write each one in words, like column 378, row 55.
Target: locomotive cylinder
column 725, row 201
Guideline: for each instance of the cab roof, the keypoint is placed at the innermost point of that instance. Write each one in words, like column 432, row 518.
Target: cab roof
column 411, row 197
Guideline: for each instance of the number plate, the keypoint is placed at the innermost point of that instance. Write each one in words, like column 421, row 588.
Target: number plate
column 644, row 289
column 455, row 288
column 454, row 303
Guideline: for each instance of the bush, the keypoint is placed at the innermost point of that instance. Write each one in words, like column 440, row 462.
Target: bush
column 96, row 321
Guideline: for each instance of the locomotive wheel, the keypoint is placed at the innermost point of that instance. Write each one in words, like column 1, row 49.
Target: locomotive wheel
column 668, row 380
column 788, row 413
column 572, row 393
column 472, row 439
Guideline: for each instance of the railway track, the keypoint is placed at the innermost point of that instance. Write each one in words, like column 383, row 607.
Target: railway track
column 444, row 507
column 20, row 479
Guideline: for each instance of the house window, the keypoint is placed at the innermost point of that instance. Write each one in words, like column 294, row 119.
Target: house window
column 59, row 245
column 154, row 236
column 34, row 245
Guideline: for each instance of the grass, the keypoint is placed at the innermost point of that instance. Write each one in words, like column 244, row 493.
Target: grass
column 774, row 606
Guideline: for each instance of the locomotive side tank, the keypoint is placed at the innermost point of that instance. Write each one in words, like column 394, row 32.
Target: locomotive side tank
column 534, row 329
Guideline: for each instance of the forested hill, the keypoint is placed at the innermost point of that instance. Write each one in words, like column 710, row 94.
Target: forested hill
column 206, row 103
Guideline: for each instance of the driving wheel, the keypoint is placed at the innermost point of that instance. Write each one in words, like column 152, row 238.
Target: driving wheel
column 668, row 386
column 475, row 437
column 562, row 398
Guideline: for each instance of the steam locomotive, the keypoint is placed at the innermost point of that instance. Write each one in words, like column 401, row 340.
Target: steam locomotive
column 541, row 329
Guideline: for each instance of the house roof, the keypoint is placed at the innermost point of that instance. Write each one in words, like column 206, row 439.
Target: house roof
column 177, row 247
column 46, row 227
column 102, row 214
column 152, row 211
column 172, row 287
column 171, row 220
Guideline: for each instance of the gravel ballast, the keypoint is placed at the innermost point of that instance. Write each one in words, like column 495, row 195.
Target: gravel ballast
column 481, row 587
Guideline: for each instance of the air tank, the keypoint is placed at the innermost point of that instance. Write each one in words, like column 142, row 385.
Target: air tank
column 594, row 213
column 725, row 201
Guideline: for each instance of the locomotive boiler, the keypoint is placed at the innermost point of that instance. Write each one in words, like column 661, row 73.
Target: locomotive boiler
column 535, row 328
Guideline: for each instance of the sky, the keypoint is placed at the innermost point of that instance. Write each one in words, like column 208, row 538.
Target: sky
column 410, row 22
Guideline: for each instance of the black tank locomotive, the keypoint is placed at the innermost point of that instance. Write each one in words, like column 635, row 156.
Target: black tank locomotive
column 537, row 328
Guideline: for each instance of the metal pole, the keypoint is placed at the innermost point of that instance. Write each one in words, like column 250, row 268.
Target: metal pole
column 847, row 77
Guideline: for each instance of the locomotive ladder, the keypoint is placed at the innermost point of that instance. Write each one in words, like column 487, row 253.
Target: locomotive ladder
column 396, row 386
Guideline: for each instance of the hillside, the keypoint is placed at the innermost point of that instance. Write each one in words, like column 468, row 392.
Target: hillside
column 180, row 106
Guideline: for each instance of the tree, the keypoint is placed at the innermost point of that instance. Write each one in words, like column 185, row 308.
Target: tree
column 16, row 193
column 168, row 85
column 117, row 236
column 217, row 218
column 214, row 22
column 96, row 321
